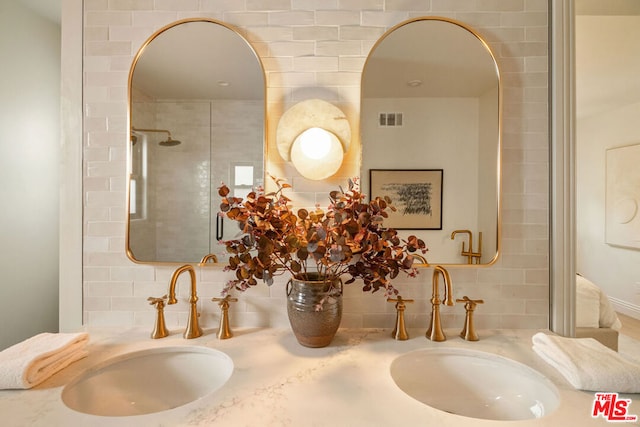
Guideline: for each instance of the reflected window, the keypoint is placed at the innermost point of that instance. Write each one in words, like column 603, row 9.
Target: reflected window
column 242, row 180
column 138, row 177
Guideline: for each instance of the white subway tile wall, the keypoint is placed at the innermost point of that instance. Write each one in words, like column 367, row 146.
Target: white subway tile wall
column 316, row 49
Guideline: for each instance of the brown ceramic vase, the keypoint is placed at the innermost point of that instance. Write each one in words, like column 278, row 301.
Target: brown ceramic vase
column 314, row 327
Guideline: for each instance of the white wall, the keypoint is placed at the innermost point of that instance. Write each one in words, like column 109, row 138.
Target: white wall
column 29, row 144
column 616, row 270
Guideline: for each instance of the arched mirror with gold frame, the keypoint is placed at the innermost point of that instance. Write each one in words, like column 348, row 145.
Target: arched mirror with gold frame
column 430, row 131
column 196, row 119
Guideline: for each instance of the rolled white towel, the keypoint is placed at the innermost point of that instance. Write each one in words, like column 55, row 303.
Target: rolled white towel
column 30, row 362
column 587, row 364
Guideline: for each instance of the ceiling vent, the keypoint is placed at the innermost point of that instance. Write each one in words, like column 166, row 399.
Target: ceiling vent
column 389, row 119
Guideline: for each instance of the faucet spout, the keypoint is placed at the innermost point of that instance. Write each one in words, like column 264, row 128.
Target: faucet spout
column 193, row 329
column 472, row 257
column 209, row 257
column 435, row 332
column 468, row 253
column 454, row 232
column 423, row 260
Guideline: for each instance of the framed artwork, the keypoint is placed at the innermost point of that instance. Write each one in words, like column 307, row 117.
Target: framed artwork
column 416, row 194
column 622, row 197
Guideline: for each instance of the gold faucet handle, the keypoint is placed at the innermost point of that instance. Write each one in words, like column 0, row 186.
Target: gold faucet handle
column 470, row 304
column 224, row 332
column 158, row 302
column 400, row 330
column 160, row 329
column 399, row 300
column 224, row 301
column 468, row 331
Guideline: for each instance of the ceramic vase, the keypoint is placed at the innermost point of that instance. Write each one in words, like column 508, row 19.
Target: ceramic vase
column 314, row 306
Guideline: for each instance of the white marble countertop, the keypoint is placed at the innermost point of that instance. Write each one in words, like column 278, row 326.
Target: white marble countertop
column 277, row 382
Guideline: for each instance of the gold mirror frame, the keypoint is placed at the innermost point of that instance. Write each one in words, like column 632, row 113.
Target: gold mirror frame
column 498, row 206
column 201, row 258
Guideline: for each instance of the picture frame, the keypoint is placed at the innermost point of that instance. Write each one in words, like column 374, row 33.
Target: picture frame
column 415, row 193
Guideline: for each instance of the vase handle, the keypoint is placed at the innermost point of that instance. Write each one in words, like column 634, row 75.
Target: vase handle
column 289, row 287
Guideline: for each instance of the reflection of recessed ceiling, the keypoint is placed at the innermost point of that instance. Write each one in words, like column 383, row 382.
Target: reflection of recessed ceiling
column 461, row 67
column 190, row 60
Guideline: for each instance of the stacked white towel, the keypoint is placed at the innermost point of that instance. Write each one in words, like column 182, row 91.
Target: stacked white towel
column 32, row 361
column 587, row 364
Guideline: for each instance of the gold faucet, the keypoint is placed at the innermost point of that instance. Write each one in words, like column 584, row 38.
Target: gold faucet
column 209, row 257
column 193, row 329
column 435, row 333
column 160, row 329
column 472, row 257
column 424, row 262
column 224, row 331
column 400, row 331
column 469, row 332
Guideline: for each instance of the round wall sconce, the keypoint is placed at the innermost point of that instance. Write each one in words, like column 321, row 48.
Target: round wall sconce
column 314, row 135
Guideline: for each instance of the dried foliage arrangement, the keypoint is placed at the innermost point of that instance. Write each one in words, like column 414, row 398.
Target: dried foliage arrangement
column 349, row 239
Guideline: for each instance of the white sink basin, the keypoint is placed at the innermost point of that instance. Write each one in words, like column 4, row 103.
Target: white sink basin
column 474, row 384
column 148, row 381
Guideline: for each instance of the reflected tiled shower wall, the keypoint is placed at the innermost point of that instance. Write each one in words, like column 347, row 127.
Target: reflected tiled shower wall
column 181, row 178
column 316, row 49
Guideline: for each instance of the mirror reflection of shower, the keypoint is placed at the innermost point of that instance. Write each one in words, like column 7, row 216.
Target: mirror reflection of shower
column 169, row 142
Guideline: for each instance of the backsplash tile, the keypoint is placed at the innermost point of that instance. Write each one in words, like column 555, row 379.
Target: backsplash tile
column 313, row 48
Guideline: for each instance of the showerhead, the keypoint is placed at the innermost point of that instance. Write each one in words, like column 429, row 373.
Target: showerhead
column 169, row 142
